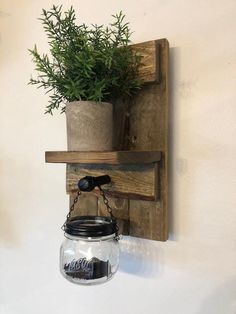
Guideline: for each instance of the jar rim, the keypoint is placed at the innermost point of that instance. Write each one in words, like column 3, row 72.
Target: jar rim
column 90, row 239
column 91, row 226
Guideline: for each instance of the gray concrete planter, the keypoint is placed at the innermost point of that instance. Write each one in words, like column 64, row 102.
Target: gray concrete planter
column 89, row 126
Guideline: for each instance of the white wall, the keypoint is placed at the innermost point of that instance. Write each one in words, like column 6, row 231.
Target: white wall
column 194, row 272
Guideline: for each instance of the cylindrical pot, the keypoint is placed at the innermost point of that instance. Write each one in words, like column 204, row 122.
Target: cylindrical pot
column 89, row 126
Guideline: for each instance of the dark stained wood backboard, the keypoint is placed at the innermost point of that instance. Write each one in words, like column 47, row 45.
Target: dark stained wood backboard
column 143, row 125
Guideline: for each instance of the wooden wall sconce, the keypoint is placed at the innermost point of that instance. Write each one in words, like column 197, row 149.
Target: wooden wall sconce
column 138, row 166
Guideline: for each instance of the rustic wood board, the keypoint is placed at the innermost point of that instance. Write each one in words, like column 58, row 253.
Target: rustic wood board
column 142, row 124
column 133, row 181
column 149, row 128
column 86, row 205
column 149, row 71
column 106, row 157
column 120, row 209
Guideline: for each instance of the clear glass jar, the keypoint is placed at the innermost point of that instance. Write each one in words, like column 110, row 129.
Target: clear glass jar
column 90, row 251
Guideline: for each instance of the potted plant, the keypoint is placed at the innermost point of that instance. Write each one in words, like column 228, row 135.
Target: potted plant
column 87, row 68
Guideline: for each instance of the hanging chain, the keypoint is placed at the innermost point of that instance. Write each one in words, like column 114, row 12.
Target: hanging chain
column 71, row 208
column 73, row 204
column 109, row 210
column 106, row 202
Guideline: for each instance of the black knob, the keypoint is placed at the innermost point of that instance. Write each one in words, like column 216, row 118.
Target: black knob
column 88, row 183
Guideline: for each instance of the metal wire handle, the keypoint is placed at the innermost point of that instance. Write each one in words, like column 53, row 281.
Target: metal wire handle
column 109, row 210
column 76, row 199
column 72, row 207
column 106, row 202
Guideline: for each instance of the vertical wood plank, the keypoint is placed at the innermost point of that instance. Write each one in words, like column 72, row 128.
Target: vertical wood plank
column 120, row 142
column 120, row 211
column 149, row 129
column 149, row 71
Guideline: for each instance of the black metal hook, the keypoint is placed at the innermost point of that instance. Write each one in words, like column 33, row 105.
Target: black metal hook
column 88, row 183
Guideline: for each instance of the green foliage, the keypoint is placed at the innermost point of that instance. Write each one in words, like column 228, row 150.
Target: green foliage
column 86, row 63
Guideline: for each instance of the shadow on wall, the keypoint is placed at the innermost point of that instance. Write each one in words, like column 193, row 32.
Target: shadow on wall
column 139, row 257
column 8, row 236
column 222, row 300
column 174, row 59
column 3, row 15
column 178, row 164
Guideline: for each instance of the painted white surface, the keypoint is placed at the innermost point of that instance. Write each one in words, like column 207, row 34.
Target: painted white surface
column 195, row 271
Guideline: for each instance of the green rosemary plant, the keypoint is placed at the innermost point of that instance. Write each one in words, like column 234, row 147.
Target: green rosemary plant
column 85, row 62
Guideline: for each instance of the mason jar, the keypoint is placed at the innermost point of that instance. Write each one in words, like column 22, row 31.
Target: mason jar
column 90, row 251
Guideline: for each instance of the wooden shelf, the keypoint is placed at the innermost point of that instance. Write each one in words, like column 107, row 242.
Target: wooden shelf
column 108, row 157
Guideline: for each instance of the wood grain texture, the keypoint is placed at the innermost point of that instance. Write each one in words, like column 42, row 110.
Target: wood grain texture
column 120, row 209
column 145, row 220
column 142, row 124
column 149, row 71
column 149, row 127
column 136, row 181
column 87, row 204
column 111, row 157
